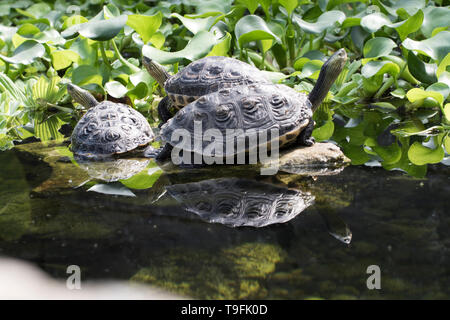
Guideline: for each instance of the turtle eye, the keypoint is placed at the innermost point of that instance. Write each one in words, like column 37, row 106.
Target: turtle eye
column 223, row 112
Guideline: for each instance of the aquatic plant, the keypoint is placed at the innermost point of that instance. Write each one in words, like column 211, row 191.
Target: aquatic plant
column 389, row 107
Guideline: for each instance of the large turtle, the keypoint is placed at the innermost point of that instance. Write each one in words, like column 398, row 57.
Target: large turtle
column 108, row 128
column 256, row 108
column 209, row 74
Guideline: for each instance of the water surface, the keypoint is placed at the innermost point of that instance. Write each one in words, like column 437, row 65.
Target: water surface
column 170, row 235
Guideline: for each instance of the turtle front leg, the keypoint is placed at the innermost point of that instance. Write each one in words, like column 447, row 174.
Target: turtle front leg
column 305, row 138
column 164, row 113
column 164, row 153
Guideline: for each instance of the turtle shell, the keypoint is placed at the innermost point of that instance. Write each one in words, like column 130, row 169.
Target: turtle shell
column 208, row 75
column 249, row 110
column 110, row 128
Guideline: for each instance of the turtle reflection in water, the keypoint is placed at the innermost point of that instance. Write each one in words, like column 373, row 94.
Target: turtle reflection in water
column 240, row 202
column 112, row 170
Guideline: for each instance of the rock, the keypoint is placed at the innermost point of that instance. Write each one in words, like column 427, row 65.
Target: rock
column 318, row 159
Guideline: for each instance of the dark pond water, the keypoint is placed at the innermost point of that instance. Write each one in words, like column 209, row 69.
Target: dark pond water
column 178, row 234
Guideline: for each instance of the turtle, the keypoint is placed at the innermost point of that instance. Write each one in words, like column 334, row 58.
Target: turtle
column 256, row 108
column 108, row 129
column 237, row 202
column 206, row 75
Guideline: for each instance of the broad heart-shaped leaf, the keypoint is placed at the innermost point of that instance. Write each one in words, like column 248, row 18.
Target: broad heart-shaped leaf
column 326, row 20
column 63, row 58
column 424, row 72
column 103, row 30
column 252, row 28
column 373, row 22
column 410, row 6
column 373, row 68
column 222, row 47
column 289, row 5
column 412, row 24
column 417, row 94
column 378, row 47
column 115, row 89
column 419, row 154
column 436, row 47
column 251, row 5
column 25, row 53
column 146, row 26
column 199, row 46
column 435, row 17
column 443, row 65
column 196, row 25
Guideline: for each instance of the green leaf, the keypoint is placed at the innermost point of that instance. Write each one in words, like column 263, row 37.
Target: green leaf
column 103, row 30
column 63, row 58
column 252, row 28
column 326, row 20
column 324, row 132
column 378, row 47
column 222, row 48
column 86, row 74
column 115, row 89
column 420, row 155
column 424, row 72
column 390, row 154
column 375, row 21
column 196, row 25
column 443, row 65
column 435, row 17
column 356, row 153
column 436, row 47
column 412, row 24
column 410, row 6
column 145, row 179
column 48, row 130
column 289, row 5
column 145, row 26
column 417, row 94
column 447, row 144
column 199, row 46
column 26, row 53
column 251, row 5
column 373, row 68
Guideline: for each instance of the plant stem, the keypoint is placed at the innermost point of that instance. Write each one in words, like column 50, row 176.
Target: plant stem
column 123, row 60
column 104, row 57
column 384, row 87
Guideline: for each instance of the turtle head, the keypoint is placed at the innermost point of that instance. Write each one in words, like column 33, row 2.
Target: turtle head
column 328, row 75
column 82, row 96
column 155, row 70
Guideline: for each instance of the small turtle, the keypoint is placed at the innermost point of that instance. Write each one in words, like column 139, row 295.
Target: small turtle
column 201, row 77
column 108, row 128
column 256, row 108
